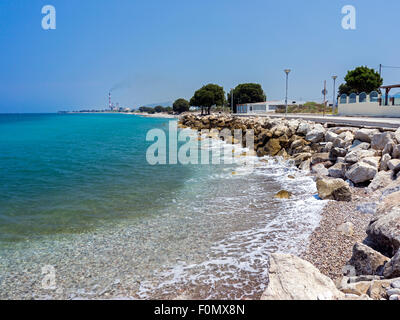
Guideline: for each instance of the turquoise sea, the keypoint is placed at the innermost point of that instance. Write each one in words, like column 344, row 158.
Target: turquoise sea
column 77, row 194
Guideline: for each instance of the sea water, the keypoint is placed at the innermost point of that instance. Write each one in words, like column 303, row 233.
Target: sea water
column 79, row 203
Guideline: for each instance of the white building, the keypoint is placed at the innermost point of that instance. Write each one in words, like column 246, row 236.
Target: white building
column 372, row 105
column 263, row 107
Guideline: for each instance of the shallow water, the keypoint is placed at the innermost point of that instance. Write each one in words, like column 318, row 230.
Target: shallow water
column 114, row 227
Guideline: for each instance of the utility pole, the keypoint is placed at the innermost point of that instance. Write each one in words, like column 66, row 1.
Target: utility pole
column 231, row 100
column 287, row 71
column 334, row 94
column 324, row 96
column 380, row 70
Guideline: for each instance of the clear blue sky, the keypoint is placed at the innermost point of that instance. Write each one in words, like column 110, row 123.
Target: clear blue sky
column 162, row 50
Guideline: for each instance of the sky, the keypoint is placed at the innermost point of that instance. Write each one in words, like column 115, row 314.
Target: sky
column 157, row 51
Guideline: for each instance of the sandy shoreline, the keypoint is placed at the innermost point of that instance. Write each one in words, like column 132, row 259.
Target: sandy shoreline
column 145, row 115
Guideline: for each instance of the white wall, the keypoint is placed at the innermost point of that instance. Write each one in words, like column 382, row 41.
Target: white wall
column 368, row 109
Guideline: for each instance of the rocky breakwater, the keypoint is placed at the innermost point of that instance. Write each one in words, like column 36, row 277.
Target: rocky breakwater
column 340, row 158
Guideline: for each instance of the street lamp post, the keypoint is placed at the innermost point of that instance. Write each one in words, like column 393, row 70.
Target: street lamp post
column 287, row 71
column 334, row 93
column 231, row 100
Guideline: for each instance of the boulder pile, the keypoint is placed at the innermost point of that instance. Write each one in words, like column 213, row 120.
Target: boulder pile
column 360, row 156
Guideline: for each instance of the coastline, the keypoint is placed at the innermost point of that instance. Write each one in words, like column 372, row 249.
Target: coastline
column 354, row 253
column 160, row 115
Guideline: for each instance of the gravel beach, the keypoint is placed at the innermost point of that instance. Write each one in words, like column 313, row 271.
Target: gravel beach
column 329, row 249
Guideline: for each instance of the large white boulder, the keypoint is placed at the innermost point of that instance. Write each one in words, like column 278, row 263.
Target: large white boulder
column 330, row 136
column 291, row 278
column 303, row 128
column 366, row 135
column 317, row 134
column 361, row 172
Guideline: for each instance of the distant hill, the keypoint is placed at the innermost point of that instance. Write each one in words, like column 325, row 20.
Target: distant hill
column 162, row 104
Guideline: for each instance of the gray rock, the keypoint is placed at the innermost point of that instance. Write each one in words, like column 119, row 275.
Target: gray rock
column 380, row 140
column 357, row 155
column 358, row 145
column 366, row 135
column 319, row 169
column 337, row 152
column 319, row 158
column 397, row 135
column 392, row 292
column 338, row 170
column 316, row 135
column 367, row 261
column 384, row 162
column 393, row 164
column 396, row 151
column 330, row 136
column 381, row 180
column 328, row 147
column 394, row 298
column 367, row 208
column 372, row 161
column 361, row 172
column 384, row 232
column 340, row 143
column 388, row 148
column 303, row 128
column 395, row 284
column 392, row 268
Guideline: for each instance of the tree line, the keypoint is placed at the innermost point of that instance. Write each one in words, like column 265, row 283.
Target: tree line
column 213, row 95
column 361, row 79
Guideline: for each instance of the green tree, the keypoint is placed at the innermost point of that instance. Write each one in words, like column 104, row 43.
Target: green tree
column 180, row 105
column 159, row 109
column 247, row 93
column 207, row 96
column 361, row 79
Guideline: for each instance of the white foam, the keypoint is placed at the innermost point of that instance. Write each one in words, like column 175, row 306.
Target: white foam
column 240, row 260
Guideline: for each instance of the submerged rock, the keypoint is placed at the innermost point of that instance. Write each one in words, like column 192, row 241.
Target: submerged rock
column 283, row 194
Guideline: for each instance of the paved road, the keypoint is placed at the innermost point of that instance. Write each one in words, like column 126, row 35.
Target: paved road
column 387, row 123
